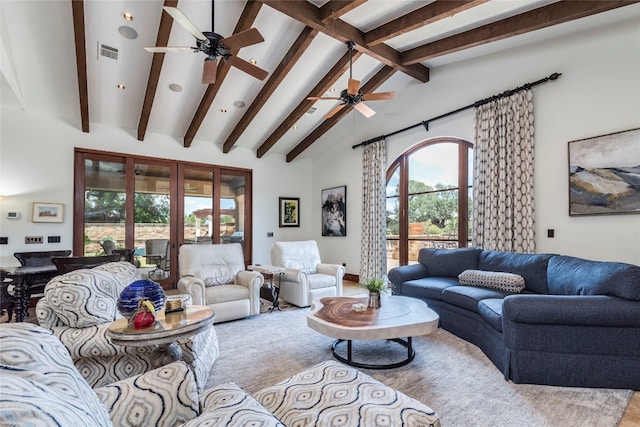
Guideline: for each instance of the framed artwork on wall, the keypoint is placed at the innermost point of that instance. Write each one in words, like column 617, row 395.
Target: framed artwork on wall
column 48, row 212
column 334, row 211
column 289, row 212
column 604, row 174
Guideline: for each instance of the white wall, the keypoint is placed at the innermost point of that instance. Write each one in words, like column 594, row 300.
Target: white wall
column 598, row 93
column 37, row 166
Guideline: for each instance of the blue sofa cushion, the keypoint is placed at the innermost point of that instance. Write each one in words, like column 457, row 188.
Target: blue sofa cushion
column 468, row 297
column 575, row 276
column 490, row 309
column 428, row 288
column 449, row 262
column 533, row 267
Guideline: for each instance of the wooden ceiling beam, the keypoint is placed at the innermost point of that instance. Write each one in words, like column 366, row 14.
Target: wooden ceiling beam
column 309, row 15
column 245, row 22
column 77, row 11
column 164, row 30
column 288, row 61
column 323, row 86
column 433, row 12
column 546, row 16
column 372, row 84
column 334, row 9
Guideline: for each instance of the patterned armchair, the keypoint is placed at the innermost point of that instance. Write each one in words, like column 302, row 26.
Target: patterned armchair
column 306, row 278
column 78, row 308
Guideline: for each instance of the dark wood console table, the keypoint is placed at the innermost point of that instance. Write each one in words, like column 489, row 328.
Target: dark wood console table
column 23, row 278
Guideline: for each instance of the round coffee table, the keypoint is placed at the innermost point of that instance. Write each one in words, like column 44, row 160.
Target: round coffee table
column 164, row 333
column 396, row 318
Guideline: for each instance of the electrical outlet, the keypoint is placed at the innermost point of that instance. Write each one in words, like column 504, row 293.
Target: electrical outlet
column 269, row 233
column 32, row 239
column 4, row 240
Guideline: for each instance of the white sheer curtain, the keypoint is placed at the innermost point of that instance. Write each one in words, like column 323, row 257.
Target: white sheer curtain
column 503, row 200
column 373, row 256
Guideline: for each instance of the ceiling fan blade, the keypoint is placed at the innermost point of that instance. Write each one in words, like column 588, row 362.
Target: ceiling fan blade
column 317, row 98
column 364, row 110
column 247, row 67
column 209, row 70
column 379, row 96
column 170, row 49
column 334, row 111
column 353, row 87
column 181, row 19
column 243, row 39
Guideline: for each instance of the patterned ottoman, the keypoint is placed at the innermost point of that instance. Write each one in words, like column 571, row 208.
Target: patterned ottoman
column 332, row 394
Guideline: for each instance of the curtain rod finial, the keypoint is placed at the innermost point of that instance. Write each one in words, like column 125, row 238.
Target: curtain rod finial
column 426, row 125
column 554, row 76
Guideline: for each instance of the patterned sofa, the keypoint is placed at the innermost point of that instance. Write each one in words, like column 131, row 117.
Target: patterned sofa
column 79, row 306
column 41, row 386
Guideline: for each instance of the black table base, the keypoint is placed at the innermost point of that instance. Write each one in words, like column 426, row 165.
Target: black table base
column 349, row 359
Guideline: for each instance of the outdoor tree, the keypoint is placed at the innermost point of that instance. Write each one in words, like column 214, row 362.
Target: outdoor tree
column 151, row 208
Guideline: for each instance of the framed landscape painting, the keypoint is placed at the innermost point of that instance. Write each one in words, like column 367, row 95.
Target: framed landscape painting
column 334, row 211
column 604, row 174
column 48, row 212
column 289, row 212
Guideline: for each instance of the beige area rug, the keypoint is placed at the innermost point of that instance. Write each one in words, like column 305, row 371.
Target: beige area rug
column 448, row 374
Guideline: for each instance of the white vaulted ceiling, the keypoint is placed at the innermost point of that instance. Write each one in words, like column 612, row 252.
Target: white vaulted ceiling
column 40, row 74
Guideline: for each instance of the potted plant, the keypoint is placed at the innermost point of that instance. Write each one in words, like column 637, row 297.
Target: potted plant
column 376, row 286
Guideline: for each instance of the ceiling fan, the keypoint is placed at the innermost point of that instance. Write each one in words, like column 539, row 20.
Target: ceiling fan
column 215, row 46
column 352, row 95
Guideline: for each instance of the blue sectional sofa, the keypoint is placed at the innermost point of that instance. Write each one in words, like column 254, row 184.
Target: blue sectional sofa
column 575, row 323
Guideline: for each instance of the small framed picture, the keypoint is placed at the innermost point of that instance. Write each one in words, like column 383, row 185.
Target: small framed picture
column 334, row 211
column 48, row 212
column 289, row 212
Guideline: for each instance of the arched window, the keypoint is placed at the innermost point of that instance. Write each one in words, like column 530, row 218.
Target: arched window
column 429, row 199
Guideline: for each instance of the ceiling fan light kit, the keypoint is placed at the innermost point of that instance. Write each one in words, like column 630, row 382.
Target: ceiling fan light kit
column 352, row 95
column 215, row 46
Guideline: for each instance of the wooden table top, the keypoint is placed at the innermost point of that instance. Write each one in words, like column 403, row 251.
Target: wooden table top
column 168, row 327
column 397, row 317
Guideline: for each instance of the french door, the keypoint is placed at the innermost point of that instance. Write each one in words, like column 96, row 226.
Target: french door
column 152, row 206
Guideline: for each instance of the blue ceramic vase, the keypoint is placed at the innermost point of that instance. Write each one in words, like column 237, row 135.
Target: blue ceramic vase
column 140, row 289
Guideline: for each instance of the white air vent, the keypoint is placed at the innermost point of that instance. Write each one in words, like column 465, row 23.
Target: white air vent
column 107, row 52
column 311, row 110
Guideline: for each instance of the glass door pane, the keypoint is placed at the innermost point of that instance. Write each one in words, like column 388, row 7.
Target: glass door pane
column 232, row 209
column 104, row 205
column 152, row 217
column 197, row 206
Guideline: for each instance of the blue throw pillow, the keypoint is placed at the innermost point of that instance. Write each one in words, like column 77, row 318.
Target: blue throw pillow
column 533, row 267
column 449, row 262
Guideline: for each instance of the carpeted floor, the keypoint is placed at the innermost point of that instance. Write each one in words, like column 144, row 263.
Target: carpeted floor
column 448, row 374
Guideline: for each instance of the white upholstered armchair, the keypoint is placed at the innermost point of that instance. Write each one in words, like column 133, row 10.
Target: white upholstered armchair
column 306, row 278
column 215, row 275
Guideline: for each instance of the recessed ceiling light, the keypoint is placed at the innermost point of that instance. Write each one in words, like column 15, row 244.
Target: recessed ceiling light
column 254, row 61
column 121, row 86
column 175, row 87
column 333, row 89
column 127, row 16
column 239, row 104
column 223, row 110
column 128, row 32
column 295, row 127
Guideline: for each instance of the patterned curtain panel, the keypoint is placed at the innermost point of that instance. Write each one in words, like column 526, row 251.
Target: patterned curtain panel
column 503, row 209
column 373, row 255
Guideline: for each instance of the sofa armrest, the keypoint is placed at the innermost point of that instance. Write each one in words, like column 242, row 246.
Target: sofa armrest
column 193, row 286
column 578, row 310
column 334, row 270
column 252, row 280
column 399, row 275
column 166, row 396
column 47, row 318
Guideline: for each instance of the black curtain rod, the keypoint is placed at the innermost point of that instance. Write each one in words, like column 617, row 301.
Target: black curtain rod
column 425, row 123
